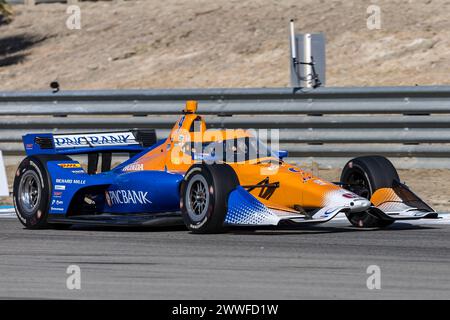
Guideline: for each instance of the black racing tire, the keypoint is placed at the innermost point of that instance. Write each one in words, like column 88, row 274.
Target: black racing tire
column 32, row 190
column 206, row 214
column 363, row 176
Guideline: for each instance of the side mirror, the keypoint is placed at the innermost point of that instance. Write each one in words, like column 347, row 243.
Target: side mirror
column 282, row 154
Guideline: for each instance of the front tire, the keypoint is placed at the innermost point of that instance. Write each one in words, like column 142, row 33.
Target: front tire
column 204, row 196
column 364, row 176
column 31, row 190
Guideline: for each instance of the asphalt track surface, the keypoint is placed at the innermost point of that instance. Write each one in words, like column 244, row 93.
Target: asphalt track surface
column 329, row 261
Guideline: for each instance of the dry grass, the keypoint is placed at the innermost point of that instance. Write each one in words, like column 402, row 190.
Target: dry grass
column 223, row 43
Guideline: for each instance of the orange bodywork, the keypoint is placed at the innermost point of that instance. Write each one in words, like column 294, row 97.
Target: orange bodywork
column 384, row 195
column 297, row 189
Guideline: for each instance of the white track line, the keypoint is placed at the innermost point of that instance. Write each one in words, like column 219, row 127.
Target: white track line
column 7, row 213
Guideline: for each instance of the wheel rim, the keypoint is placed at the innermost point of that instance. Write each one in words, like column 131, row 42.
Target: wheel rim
column 197, row 198
column 30, row 192
column 359, row 184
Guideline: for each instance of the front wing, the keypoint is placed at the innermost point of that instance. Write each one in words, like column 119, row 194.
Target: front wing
column 246, row 210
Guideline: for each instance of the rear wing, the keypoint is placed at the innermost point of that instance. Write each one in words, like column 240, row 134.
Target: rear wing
column 132, row 141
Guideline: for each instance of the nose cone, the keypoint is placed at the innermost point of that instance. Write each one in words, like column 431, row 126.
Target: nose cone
column 359, row 204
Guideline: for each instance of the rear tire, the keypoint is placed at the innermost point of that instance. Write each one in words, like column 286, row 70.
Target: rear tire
column 31, row 191
column 363, row 176
column 204, row 196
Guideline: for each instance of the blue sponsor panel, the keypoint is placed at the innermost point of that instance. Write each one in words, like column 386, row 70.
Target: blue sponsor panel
column 143, row 191
column 68, row 177
column 127, row 192
column 245, row 209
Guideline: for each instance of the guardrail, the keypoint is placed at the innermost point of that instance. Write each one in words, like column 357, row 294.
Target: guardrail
column 323, row 122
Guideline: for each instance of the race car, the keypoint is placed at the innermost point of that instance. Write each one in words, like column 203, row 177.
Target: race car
column 208, row 179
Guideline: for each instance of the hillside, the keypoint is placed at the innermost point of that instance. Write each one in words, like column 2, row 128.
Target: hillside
column 196, row 43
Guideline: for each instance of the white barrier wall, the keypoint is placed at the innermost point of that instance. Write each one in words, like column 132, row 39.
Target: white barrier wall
column 3, row 181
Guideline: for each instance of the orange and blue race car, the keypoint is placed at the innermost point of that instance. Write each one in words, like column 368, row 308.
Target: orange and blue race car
column 209, row 180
